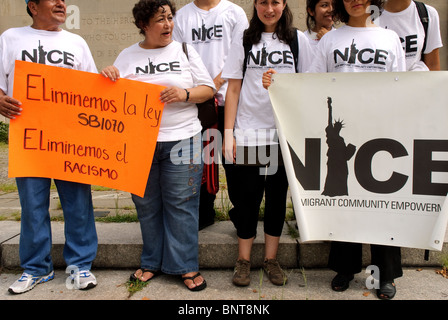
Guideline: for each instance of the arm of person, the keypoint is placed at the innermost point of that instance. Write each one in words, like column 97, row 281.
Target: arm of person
column 9, row 107
column 170, row 94
column 432, row 60
column 434, row 41
column 230, row 110
column 203, row 86
column 194, row 95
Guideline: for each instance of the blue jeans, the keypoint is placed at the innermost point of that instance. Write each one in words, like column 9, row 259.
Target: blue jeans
column 169, row 211
column 81, row 240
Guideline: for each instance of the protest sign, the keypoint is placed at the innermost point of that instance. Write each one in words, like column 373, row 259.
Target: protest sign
column 366, row 155
column 82, row 127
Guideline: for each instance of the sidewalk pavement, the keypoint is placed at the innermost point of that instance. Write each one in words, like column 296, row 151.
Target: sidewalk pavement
column 120, row 246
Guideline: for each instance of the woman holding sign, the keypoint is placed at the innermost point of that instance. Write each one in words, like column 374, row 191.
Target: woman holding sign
column 358, row 36
column 250, row 137
column 359, row 33
column 168, row 212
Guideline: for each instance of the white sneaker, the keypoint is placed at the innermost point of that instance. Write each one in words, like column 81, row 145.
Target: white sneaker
column 26, row 282
column 84, row 280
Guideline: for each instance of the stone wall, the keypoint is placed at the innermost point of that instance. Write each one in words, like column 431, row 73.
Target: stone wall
column 107, row 25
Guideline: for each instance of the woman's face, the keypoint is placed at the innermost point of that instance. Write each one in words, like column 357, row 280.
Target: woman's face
column 357, row 8
column 323, row 14
column 269, row 12
column 158, row 32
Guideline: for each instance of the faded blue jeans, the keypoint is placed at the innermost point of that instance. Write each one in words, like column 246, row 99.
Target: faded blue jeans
column 81, row 240
column 169, row 211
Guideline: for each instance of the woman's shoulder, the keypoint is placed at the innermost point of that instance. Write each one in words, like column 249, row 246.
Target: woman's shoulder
column 132, row 47
column 176, row 46
column 386, row 32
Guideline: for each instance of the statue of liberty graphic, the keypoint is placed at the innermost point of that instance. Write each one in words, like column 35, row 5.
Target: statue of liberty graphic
column 338, row 155
column 42, row 54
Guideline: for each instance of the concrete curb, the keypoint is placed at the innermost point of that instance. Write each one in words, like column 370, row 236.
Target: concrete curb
column 120, row 246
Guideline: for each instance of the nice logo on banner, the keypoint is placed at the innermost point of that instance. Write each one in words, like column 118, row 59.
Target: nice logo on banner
column 79, row 126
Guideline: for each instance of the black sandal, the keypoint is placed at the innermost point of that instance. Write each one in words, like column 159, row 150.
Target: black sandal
column 341, row 282
column 387, row 290
column 200, row 287
column 133, row 277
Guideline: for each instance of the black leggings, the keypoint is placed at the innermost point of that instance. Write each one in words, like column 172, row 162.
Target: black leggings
column 246, row 188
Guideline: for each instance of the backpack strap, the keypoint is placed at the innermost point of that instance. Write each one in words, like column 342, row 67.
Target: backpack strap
column 294, row 45
column 247, row 47
column 424, row 18
column 184, row 47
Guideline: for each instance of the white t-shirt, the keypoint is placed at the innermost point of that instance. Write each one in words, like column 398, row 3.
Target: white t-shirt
column 409, row 28
column 211, row 33
column 254, row 123
column 168, row 66
column 55, row 48
column 350, row 49
column 312, row 36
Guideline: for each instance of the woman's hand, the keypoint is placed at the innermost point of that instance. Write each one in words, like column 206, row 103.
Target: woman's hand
column 111, row 72
column 229, row 146
column 323, row 31
column 173, row 94
column 219, row 82
column 267, row 78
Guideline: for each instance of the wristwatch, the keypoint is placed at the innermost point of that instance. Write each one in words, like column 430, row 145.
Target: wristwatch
column 188, row 95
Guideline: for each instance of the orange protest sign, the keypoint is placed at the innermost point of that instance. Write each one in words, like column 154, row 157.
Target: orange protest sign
column 82, row 127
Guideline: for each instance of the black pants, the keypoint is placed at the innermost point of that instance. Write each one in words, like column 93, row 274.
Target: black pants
column 346, row 258
column 246, row 189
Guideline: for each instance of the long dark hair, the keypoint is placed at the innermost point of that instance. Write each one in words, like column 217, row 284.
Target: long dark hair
column 310, row 20
column 284, row 29
column 341, row 14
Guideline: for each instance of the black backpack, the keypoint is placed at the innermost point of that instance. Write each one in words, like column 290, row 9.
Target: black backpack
column 424, row 18
column 294, row 45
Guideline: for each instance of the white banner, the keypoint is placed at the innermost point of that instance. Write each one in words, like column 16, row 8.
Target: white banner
column 366, row 155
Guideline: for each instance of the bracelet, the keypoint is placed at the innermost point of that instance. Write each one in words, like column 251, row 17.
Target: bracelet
column 188, row 95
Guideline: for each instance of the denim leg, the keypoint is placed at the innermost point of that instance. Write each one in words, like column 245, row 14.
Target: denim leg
column 149, row 211
column 181, row 185
column 35, row 234
column 81, row 241
column 169, row 211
